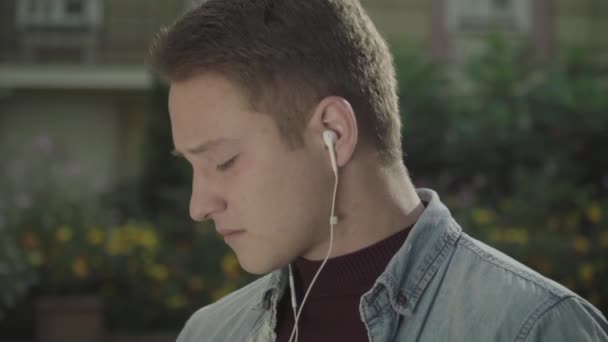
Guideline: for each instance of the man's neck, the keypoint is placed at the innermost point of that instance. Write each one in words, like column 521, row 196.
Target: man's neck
column 371, row 205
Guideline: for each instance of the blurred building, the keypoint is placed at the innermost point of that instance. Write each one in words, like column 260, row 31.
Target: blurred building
column 73, row 71
column 453, row 29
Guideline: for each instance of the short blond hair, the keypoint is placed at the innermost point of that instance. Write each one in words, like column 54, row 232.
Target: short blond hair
column 287, row 55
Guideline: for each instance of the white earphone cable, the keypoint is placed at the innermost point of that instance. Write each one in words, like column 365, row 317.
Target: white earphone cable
column 294, row 302
column 332, row 222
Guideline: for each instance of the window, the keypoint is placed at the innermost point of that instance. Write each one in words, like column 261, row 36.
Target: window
column 58, row 13
column 59, row 30
column 74, row 7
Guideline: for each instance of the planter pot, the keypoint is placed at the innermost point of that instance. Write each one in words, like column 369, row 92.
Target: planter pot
column 70, row 319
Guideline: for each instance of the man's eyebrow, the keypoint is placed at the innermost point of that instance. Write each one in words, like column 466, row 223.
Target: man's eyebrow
column 201, row 148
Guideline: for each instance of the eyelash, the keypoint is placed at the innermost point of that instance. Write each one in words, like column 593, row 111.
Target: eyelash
column 225, row 166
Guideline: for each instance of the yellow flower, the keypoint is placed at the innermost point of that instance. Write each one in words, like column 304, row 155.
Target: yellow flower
column 176, row 301
column 594, row 213
column 230, row 266
column 95, row 236
column 34, row 258
column 117, row 244
column 604, row 239
column 147, row 239
column 30, row 240
column 158, row 272
column 80, row 268
column 586, row 273
column 64, row 234
column 580, row 244
column 506, row 205
column 517, row 236
column 482, row 216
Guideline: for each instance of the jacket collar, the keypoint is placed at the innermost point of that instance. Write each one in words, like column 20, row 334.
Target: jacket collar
column 429, row 243
column 409, row 272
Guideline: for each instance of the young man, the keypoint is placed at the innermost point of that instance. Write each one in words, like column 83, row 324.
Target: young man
column 254, row 86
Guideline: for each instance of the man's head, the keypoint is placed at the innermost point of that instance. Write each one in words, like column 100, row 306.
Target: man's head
column 266, row 78
column 288, row 55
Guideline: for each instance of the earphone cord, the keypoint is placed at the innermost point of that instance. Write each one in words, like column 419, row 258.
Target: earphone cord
column 294, row 302
column 332, row 222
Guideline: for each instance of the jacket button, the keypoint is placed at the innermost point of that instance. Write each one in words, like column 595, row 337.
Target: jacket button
column 401, row 299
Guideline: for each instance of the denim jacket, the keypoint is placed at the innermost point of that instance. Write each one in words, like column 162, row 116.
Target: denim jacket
column 442, row 285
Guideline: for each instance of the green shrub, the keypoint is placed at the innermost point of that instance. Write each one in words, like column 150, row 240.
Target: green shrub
column 516, row 146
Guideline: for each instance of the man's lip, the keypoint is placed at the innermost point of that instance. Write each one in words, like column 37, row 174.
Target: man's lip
column 227, row 232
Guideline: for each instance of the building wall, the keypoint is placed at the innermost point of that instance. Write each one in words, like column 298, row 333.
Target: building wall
column 7, row 30
column 574, row 21
column 130, row 25
column 99, row 127
column 599, row 30
column 401, row 22
column 84, row 130
column 103, row 128
column 424, row 23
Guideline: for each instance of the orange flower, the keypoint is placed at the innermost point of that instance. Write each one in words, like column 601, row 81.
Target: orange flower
column 64, row 234
column 80, row 268
column 30, row 241
column 594, row 213
column 580, row 244
column 586, row 273
column 95, row 236
column 604, row 239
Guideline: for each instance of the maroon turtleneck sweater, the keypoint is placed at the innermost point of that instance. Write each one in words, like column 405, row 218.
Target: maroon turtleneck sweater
column 331, row 312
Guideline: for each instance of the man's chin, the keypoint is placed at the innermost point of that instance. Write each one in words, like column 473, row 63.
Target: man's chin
column 250, row 265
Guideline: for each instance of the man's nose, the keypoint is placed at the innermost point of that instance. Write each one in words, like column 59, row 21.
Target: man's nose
column 205, row 201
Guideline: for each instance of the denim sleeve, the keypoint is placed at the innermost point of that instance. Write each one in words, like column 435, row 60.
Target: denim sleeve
column 571, row 319
column 188, row 333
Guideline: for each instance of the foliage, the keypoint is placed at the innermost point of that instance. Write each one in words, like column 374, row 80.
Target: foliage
column 21, row 195
column 516, row 147
column 61, row 245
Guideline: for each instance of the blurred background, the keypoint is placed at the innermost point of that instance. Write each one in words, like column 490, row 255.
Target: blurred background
column 505, row 109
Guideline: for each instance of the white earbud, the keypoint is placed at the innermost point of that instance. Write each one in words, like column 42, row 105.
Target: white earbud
column 330, row 137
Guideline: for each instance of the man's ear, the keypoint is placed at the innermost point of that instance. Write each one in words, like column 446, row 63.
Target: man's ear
column 336, row 114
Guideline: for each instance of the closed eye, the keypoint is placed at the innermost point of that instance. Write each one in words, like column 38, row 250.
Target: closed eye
column 225, row 166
